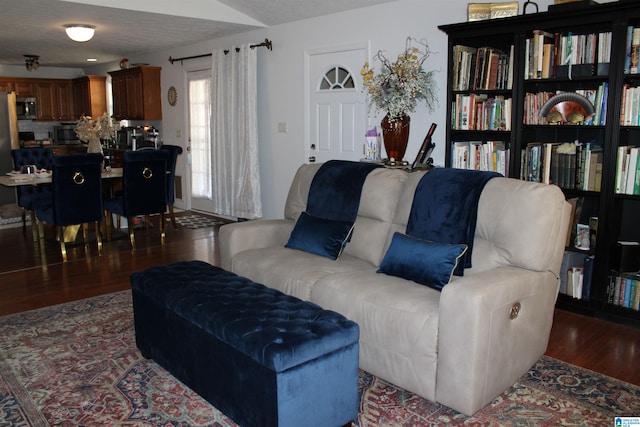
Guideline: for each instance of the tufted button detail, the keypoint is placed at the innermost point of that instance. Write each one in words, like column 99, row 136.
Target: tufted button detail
column 515, row 310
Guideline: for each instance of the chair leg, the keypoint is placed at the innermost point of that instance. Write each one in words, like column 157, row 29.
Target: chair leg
column 63, row 247
column 99, row 236
column 132, row 236
column 162, row 229
column 34, row 226
column 23, row 213
column 108, row 224
column 85, row 233
column 173, row 216
column 40, row 232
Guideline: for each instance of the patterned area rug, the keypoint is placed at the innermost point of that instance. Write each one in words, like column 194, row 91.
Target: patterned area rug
column 77, row 364
column 197, row 221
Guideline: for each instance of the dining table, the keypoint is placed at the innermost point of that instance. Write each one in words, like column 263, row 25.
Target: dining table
column 16, row 179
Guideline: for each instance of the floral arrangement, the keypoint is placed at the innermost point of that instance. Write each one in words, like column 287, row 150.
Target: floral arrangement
column 399, row 85
column 104, row 127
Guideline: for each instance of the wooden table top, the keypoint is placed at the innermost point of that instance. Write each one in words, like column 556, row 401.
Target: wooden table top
column 10, row 181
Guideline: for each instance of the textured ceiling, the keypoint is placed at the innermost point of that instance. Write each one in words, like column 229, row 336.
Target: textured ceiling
column 127, row 29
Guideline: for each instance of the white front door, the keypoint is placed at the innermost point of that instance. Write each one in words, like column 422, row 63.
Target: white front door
column 335, row 107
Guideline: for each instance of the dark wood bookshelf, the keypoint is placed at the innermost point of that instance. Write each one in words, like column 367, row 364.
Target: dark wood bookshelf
column 617, row 213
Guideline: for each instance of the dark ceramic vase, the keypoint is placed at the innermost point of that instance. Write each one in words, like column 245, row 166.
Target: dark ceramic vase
column 395, row 134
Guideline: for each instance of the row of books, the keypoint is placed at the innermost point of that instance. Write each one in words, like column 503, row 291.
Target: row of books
column 624, row 290
column 630, row 114
column 576, row 272
column 557, row 55
column 533, row 103
column 477, row 155
column 568, row 165
column 479, row 112
column 628, row 170
column 484, row 68
column 632, row 54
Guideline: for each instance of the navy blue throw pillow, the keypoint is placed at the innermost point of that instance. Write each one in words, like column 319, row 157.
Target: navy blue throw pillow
column 320, row 236
column 425, row 262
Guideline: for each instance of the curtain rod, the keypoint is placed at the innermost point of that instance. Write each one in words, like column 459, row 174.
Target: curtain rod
column 266, row 43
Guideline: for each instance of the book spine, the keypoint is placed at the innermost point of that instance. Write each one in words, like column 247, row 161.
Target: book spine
column 635, row 51
column 627, row 57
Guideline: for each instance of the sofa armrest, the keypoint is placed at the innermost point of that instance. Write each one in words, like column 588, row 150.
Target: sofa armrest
column 493, row 327
column 241, row 236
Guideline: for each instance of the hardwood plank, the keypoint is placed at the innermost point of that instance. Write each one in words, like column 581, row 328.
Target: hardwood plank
column 30, row 279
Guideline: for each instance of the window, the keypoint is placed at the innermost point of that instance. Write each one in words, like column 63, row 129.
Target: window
column 337, row 78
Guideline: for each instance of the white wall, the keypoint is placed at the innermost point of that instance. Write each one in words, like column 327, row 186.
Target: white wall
column 281, row 79
column 40, row 73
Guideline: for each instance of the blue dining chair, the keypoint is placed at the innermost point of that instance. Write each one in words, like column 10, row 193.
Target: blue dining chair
column 29, row 196
column 143, row 190
column 174, row 152
column 76, row 197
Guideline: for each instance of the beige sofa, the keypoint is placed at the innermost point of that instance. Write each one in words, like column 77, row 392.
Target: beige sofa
column 461, row 347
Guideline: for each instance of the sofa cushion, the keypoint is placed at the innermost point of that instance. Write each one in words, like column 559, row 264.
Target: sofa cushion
column 292, row 272
column 398, row 324
column 378, row 202
column 425, row 262
column 377, row 206
column 320, row 236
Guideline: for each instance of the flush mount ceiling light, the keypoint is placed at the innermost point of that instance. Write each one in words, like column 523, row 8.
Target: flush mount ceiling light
column 31, row 62
column 80, row 32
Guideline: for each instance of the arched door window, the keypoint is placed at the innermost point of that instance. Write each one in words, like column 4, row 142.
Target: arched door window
column 337, row 78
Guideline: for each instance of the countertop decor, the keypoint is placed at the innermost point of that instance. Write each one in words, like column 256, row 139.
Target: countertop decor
column 104, row 127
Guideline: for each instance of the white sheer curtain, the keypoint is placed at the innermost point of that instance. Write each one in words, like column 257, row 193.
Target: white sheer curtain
column 236, row 178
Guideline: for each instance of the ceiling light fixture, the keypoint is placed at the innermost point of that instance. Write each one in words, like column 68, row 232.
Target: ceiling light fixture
column 80, row 32
column 31, row 62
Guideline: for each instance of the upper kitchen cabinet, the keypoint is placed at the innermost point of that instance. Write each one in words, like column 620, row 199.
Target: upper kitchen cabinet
column 90, row 96
column 22, row 87
column 55, row 99
column 136, row 93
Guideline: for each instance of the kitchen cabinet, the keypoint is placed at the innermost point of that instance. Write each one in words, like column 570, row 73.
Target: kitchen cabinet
column 55, row 99
column 22, row 87
column 136, row 93
column 89, row 96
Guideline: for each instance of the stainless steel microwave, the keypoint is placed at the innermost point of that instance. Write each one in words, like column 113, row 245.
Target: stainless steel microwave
column 26, row 108
column 65, row 135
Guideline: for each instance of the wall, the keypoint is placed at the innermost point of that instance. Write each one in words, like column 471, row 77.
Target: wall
column 40, row 73
column 281, row 79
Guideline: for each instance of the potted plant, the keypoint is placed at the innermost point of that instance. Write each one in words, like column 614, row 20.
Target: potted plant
column 396, row 88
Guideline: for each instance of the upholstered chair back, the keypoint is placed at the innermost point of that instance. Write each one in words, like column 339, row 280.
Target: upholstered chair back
column 77, row 190
column 42, row 157
column 144, row 182
column 174, row 152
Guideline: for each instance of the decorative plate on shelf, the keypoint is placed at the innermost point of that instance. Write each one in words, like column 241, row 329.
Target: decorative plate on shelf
column 173, row 96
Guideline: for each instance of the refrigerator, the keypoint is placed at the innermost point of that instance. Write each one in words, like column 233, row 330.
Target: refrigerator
column 8, row 140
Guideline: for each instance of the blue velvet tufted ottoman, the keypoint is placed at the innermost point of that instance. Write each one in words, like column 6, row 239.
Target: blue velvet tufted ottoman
column 261, row 357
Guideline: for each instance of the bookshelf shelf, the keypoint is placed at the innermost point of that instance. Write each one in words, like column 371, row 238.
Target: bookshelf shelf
column 584, row 159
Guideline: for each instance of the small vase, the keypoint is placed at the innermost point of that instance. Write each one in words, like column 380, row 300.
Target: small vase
column 94, row 146
column 395, row 134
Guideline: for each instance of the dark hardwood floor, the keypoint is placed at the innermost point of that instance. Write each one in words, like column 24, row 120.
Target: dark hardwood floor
column 30, row 279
